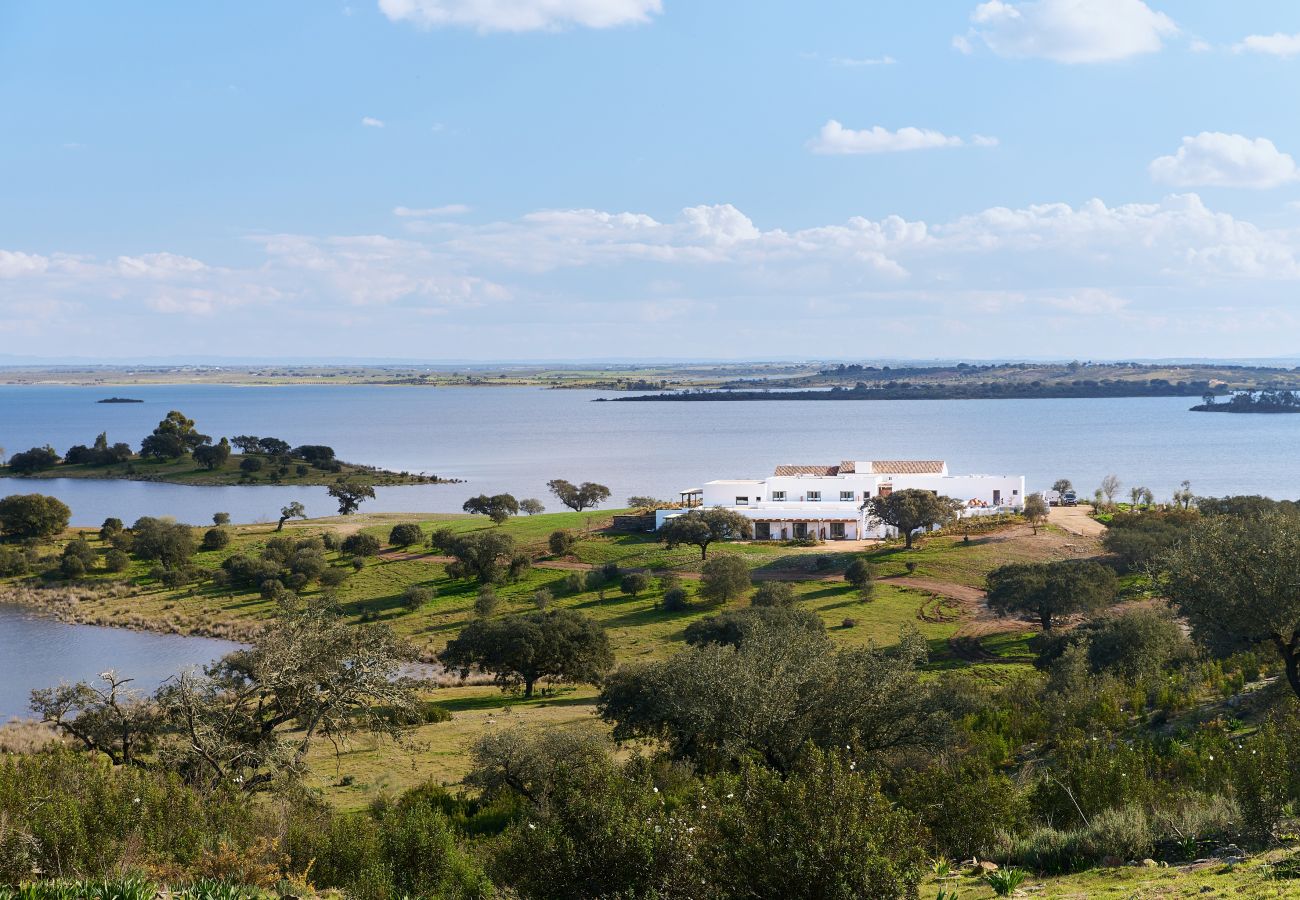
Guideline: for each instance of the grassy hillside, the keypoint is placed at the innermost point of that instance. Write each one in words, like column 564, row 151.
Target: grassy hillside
column 185, row 471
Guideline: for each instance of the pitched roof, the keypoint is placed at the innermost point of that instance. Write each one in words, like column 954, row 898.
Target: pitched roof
column 807, row 470
column 848, row 467
column 907, row 466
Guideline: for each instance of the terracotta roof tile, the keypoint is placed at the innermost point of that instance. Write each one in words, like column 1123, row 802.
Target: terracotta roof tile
column 907, row 466
column 807, row 470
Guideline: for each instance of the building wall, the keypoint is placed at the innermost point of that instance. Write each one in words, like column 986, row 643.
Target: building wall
column 798, row 487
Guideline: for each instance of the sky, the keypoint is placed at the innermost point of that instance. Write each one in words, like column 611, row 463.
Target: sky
column 571, row 179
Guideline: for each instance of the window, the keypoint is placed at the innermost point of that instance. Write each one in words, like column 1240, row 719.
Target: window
column 778, row 496
column 742, row 501
column 762, row 531
column 814, row 496
column 846, row 496
column 837, row 531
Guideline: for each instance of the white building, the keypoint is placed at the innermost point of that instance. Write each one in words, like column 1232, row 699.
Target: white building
column 827, row 501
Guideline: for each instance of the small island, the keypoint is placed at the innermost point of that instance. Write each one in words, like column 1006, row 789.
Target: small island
column 1252, row 402
column 177, row 453
column 119, row 400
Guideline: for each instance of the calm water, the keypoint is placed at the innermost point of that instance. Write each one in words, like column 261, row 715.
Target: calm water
column 515, row 439
column 38, row 652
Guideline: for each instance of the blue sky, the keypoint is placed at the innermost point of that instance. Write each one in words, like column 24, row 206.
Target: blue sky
column 649, row 178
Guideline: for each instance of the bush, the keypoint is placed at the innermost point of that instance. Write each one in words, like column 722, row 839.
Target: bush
column 251, row 464
column 215, row 539
column 858, row 574
column 724, row 577
column 486, row 602
column 561, row 543
column 542, row 598
column 405, row 534
column 1123, row 832
column 773, row 593
column 634, row 583
column 116, row 561
column 333, row 576
column 575, row 583
column 14, row 562
column 72, row 567
column 416, row 596
column 675, row 599
column 360, row 544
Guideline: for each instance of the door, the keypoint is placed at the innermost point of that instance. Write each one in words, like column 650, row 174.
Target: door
column 762, row 531
column 837, row 531
column 800, row 530
column 997, row 498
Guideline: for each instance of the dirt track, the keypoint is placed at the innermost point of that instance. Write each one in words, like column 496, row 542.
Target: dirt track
column 1076, row 520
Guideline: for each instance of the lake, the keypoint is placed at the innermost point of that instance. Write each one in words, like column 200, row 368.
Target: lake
column 37, row 651
column 515, row 439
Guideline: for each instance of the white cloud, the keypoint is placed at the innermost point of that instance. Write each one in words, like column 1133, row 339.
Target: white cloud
column 986, row 276
column 1215, row 159
column 834, row 138
column 983, row 140
column 1272, row 44
column 450, row 209
column 851, row 63
column 520, row 15
column 1068, row 31
column 1196, row 45
column 372, row 122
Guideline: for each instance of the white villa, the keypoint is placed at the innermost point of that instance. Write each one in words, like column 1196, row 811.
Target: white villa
column 827, row 501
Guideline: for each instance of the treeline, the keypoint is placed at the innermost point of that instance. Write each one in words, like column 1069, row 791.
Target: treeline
column 990, row 390
column 1253, row 402
column 175, row 437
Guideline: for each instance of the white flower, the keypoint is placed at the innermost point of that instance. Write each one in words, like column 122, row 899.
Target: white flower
column 731, row 796
column 532, row 827
column 135, row 800
column 656, row 790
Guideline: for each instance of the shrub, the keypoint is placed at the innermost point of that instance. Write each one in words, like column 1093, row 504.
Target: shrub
column 360, row 544
column 542, row 598
column 1005, row 881
column 723, row 578
column 675, row 599
column 486, row 602
column 14, row 562
column 72, row 567
column 221, row 518
column 251, row 464
column 858, row 574
column 215, row 539
column 333, row 576
column 774, row 593
column 358, row 563
column 561, row 543
column 116, row 561
column 1123, row 832
column 575, row 583
column 416, row 596
column 405, row 534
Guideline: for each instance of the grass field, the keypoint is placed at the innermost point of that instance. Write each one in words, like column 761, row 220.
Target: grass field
column 927, row 589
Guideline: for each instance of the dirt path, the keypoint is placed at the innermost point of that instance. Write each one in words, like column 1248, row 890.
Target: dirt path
column 978, row 621
column 1076, row 520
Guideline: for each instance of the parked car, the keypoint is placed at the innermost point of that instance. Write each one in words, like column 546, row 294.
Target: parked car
column 1068, row 498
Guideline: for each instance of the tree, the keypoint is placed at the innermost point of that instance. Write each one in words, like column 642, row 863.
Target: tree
column 724, row 578
column 405, row 534
column 774, row 593
column 1047, row 591
column 418, row 595
column 1237, row 581
column 858, row 574
column 636, row 502
column 634, row 583
column 1110, row 486
column 562, row 542
column 531, row 506
column 246, row 443
column 1183, row 497
column 113, row 720
column 221, row 518
column 579, row 497
column 780, row 690
column 251, row 464
column 317, row 455
column 702, row 527
column 213, row 456
column 498, row 507
column 485, row 602
column 909, row 510
column 557, row 644
column 32, row 516
column 173, row 438
column 253, row 716
column 487, row 556
column 1061, row 485
column 294, row 510
column 350, row 494
column 37, row 459
column 167, row 542
column 1035, row 510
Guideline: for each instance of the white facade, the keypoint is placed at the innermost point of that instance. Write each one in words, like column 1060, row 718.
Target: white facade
column 827, row 501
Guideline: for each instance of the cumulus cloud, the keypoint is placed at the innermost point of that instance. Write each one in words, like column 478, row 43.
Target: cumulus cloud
column 520, row 15
column 371, row 122
column 982, row 275
column 835, row 139
column 1271, row 44
column 1068, row 31
column 1215, row 159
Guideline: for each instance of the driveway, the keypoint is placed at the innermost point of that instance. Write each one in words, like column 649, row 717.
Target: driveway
column 1076, row 520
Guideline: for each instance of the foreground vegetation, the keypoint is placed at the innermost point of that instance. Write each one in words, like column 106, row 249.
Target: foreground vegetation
column 625, row 716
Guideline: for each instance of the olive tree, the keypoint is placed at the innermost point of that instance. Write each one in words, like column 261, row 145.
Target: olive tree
column 578, row 497
column 1035, row 510
column 1237, row 581
column 910, row 510
column 1047, row 591
column 294, row 510
column 558, row 644
column 32, row 516
column 724, row 578
column 701, row 527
